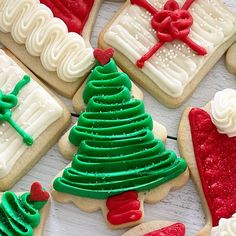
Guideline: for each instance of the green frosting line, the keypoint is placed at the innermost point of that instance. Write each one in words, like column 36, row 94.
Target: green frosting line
column 8, row 102
column 117, row 151
column 18, row 215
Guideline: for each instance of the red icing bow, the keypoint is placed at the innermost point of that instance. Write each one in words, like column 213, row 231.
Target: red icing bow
column 170, row 23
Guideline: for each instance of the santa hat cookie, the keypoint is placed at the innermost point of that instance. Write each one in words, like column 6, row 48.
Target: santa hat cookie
column 157, row 228
column 118, row 162
column 51, row 38
column 31, row 120
column 24, row 214
column 207, row 140
column 169, row 46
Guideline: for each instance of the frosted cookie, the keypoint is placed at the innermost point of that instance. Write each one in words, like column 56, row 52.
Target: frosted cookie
column 118, row 162
column 78, row 102
column 24, row 214
column 157, row 228
column 207, row 140
column 31, row 120
column 169, row 46
column 105, row 77
column 57, row 49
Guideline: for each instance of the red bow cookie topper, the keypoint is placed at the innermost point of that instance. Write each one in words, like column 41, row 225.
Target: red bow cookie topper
column 103, row 56
column 37, row 193
column 171, row 23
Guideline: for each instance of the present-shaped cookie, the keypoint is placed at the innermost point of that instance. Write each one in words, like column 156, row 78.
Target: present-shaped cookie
column 168, row 46
column 119, row 163
column 31, row 120
column 52, row 40
column 24, row 214
column 207, row 140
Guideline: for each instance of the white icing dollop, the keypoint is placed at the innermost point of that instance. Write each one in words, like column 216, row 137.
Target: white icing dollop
column 223, row 112
column 36, row 111
column 226, row 227
column 47, row 37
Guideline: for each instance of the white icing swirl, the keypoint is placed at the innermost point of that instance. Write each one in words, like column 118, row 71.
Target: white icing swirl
column 33, row 24
column 36, row 111
column 175, row 64
column 226, row 227
column 223, row 112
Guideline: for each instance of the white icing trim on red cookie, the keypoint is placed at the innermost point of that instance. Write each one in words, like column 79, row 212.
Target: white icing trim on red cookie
column 223, row 112
column 47, row 37
column 36, row 111
column 226, row 227
column 175, row 64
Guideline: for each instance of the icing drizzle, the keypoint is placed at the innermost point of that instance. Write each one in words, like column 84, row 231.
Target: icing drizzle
column 117, row 151
column 171, row 23
column 215, row 155
column 74, row 13
column 19, row 215
column 7, row 103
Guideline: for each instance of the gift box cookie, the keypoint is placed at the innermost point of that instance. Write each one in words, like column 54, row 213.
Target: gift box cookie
column 24, row 214
column 31, row 120
column 52, row 40
column 207, row 138
column 168, row 46
column 118, row 163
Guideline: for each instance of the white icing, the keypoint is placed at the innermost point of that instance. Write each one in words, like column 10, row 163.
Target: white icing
column 226, row 227
column 223, row 112
column 36, row 111
column 175, row 64
column 33, row 24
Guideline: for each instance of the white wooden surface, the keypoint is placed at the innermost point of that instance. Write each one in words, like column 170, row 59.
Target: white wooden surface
column 182, row 205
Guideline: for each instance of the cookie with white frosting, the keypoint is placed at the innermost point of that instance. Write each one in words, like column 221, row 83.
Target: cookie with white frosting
column 52, row 40
column 168, row 46
column 31, row 120
column 207, row 140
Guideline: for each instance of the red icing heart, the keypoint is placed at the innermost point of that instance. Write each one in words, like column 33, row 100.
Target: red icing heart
column 37, row 193
column 215, row 155
column 103, row 56
column 177, row 229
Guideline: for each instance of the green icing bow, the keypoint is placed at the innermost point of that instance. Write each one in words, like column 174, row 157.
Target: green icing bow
column 8, row 102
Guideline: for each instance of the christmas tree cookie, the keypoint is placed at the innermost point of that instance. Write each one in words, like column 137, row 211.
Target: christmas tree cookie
column 157, row 228
column 207, row 140
column 52, row 40
column 119, row 163
column 31, row 120
column 168, row 46
column 24, row 214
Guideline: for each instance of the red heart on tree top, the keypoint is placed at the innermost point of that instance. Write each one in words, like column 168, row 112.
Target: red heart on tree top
column 37, row 193
column 103, row 56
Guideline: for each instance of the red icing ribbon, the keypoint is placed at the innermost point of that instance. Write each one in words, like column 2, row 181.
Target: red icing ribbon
column 103, row 57
column 215, row 155
column 124, row 208
column 74, row 13
column 37, row 193
column 177, row 229
column 171, row 23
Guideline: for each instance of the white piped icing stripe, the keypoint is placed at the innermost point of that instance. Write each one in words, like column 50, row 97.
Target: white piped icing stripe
column 47, row 37
column 223, row 112
column 226, row 227
column 175, row 64
column 36, row 111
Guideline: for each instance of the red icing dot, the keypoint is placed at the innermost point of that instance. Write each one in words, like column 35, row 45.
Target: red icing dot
column 215, row 155
column 123, row 208
column 74, row 13
column 177, row 229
